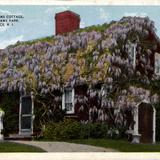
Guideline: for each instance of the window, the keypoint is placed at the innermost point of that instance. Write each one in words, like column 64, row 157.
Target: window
column 68, row 100
column 157, row 64
column 132, row 52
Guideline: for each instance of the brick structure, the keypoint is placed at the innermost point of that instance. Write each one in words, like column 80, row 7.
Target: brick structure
column 66, row 21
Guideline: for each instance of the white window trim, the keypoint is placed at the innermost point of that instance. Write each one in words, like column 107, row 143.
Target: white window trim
column 157, row 56
column 134, row 54
column 63, row 101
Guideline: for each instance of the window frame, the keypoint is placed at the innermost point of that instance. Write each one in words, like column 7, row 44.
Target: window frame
column 72, row 100
column 157, row 65
column 133, row 46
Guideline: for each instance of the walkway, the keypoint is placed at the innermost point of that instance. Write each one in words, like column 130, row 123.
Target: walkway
column 65, row 147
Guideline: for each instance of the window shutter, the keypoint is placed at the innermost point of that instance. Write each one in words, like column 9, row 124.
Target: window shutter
column 132, row 52
column 73, row 100
column 63, row 100
column 157, row 64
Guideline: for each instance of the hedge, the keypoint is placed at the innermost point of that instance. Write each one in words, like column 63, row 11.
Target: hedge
column 71, row 129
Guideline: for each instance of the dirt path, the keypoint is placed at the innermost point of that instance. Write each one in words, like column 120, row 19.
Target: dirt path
column 65, row 147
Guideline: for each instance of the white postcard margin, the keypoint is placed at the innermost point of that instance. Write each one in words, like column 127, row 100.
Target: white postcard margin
column 80, row 155
column 80, row 2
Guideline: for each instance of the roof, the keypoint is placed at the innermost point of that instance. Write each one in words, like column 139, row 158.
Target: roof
column 88, row 56
column 67, row 11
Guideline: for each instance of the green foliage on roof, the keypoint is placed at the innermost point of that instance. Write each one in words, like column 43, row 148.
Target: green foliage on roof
column 95, row 54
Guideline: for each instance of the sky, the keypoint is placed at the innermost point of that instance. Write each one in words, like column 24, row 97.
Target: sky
column 39, row 20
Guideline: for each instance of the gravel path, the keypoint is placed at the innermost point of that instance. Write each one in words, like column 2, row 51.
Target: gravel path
column 65, row 147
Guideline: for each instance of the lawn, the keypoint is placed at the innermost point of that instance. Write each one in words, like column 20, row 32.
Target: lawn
column 120, row 145
column 15, row 147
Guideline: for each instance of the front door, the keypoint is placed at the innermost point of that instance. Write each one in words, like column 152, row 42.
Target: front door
column 26, row 115
column 145, row 125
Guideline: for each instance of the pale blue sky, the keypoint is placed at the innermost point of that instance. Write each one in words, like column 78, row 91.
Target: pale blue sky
column 39, row 20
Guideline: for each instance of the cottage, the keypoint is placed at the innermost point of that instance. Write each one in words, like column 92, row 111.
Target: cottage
column 98, row 76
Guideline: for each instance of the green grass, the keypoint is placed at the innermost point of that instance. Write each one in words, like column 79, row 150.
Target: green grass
column 50, row 39
column 15, row 147
column 30, row 42
column 97, row 28
column 119, row 145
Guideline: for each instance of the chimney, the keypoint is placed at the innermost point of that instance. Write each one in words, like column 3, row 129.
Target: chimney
column 66, row 21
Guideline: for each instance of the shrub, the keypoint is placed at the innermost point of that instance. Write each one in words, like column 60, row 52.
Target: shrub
column 71, row 129
column 98, row 130
column 49, row 131
column 113, row 133
column 85, row 130
column 68, row 129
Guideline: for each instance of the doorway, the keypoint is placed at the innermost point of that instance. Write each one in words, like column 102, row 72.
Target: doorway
column 145, row 122
column 26, row 115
